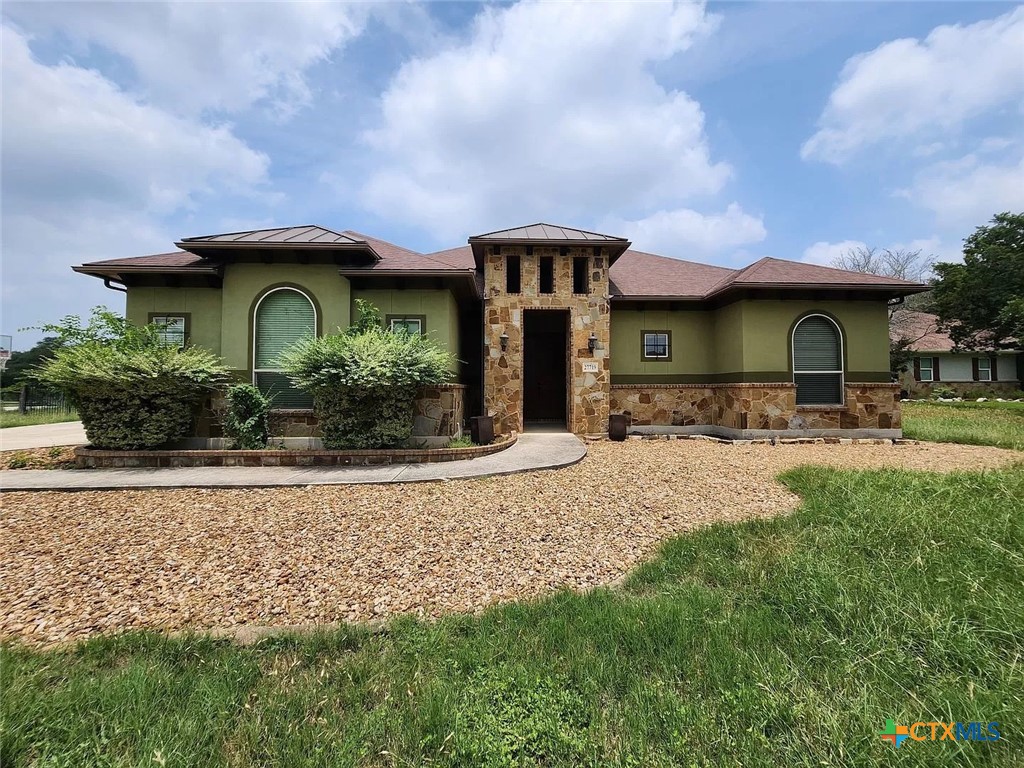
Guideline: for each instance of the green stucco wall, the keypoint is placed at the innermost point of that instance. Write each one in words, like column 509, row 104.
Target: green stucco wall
column 438, row 305
column 203, row 305
column 730, row 341
column 244, row 283
column 745, row 341
column 865, row 327
column 691, row 332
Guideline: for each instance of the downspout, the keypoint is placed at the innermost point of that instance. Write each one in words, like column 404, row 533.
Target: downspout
column 107, row 281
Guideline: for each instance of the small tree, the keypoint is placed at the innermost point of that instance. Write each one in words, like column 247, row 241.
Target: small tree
column 903, row 264
column 130, row 388
column 364, row 380
column 248, row 417
column 980, row 303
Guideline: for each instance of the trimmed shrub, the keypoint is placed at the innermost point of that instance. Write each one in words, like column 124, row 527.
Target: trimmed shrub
column 131, row 390
column 364, row 381
column 247, row 420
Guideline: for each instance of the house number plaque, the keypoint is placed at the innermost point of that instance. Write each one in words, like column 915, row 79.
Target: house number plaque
column 589, row 366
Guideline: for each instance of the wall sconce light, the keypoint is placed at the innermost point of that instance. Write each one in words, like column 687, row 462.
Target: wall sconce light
column 592, row 342
column 504, row 341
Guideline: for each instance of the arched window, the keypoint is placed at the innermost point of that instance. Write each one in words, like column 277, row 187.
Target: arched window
column 282, row 317
column 818, row 361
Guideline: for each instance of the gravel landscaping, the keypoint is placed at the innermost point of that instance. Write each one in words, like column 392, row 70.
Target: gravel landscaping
column 75, row 564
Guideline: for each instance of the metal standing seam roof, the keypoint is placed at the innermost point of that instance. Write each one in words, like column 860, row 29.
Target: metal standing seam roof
column 309, row 234
column 543, row 231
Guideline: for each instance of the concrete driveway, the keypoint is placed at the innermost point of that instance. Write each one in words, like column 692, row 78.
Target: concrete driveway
column 42, row 436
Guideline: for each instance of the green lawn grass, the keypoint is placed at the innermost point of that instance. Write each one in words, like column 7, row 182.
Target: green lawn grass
column 15, row 419
column 889, row 594
column 998, row 424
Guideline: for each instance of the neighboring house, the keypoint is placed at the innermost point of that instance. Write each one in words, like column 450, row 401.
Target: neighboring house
column 550, row 324
column 937, row 363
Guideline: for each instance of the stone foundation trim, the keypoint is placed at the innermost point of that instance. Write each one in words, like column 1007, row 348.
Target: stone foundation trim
column 94, row 458
column 765, row 434
column 760, row 408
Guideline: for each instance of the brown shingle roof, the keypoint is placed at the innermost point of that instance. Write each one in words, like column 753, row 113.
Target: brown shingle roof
column 460, row 258
column 922, row 329
column 173, row 259
column 396, row 258
column 644, row 274
column 780, row 271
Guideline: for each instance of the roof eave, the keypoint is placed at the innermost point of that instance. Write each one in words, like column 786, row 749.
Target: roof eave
column 896, row 288
column 114, row 270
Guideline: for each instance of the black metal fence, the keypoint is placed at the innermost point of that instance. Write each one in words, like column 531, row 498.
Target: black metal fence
column 33, row 400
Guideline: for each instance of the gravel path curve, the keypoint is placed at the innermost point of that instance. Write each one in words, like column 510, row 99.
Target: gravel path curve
column 75, row 564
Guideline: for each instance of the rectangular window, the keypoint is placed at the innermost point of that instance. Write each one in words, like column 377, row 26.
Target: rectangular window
column 547, row 274
column 513, row 275
column 656, row 345
column 579, row 274
column 984, row 369
column 407, row 323
column 925, row 367
column 172, row 331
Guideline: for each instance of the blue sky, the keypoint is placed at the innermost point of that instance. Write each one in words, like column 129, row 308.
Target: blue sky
column 719, row 133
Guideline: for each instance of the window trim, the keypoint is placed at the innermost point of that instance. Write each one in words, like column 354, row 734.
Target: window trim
column 842, row 358
column 643, row 346
column 921, row 369
column 186, row 316
column 255, row 329
column 988, row 368
column 421, row 319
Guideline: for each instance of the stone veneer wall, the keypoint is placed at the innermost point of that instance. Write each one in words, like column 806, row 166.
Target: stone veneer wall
column 439, row 412
column 765, row 407
column 588, row 398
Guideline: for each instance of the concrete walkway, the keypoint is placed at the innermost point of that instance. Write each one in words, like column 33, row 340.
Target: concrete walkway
column 42, row 436
column 533, row 451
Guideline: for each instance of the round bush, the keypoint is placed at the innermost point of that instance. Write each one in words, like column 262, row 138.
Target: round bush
column 364, row 381
column 131, row 389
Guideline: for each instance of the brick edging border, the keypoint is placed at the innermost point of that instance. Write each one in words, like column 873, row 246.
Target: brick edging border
column 94, row 458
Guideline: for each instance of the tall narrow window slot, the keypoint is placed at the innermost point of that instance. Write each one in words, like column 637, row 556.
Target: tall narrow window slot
column 513, row 275
column 580, row 284
column 547, row 274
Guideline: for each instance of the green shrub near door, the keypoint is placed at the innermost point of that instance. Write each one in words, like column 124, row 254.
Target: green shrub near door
column 131, row 389
column 364, row 380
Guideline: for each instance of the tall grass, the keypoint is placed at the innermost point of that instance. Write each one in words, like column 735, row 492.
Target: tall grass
column 998, row 424
column 787, row 642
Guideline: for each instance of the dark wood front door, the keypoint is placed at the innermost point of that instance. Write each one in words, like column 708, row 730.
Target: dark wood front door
column 545, row 358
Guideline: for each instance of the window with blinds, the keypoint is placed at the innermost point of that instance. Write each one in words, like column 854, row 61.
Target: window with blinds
column 283, row 317
column 817, row 361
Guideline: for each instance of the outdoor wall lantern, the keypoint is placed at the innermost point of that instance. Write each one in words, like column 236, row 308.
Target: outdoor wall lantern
column 504, row 341
column 592, row 342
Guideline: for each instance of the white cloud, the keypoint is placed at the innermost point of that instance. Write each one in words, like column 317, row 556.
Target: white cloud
column 195, row 56
column 968, row 191
column 89, row 173
column 915, row 90
column 71, row 134
column 684, row 233
column 546, row 111
column 825, row 253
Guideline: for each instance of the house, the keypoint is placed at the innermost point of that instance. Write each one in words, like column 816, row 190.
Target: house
column 937, row 362
column 551, row 325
